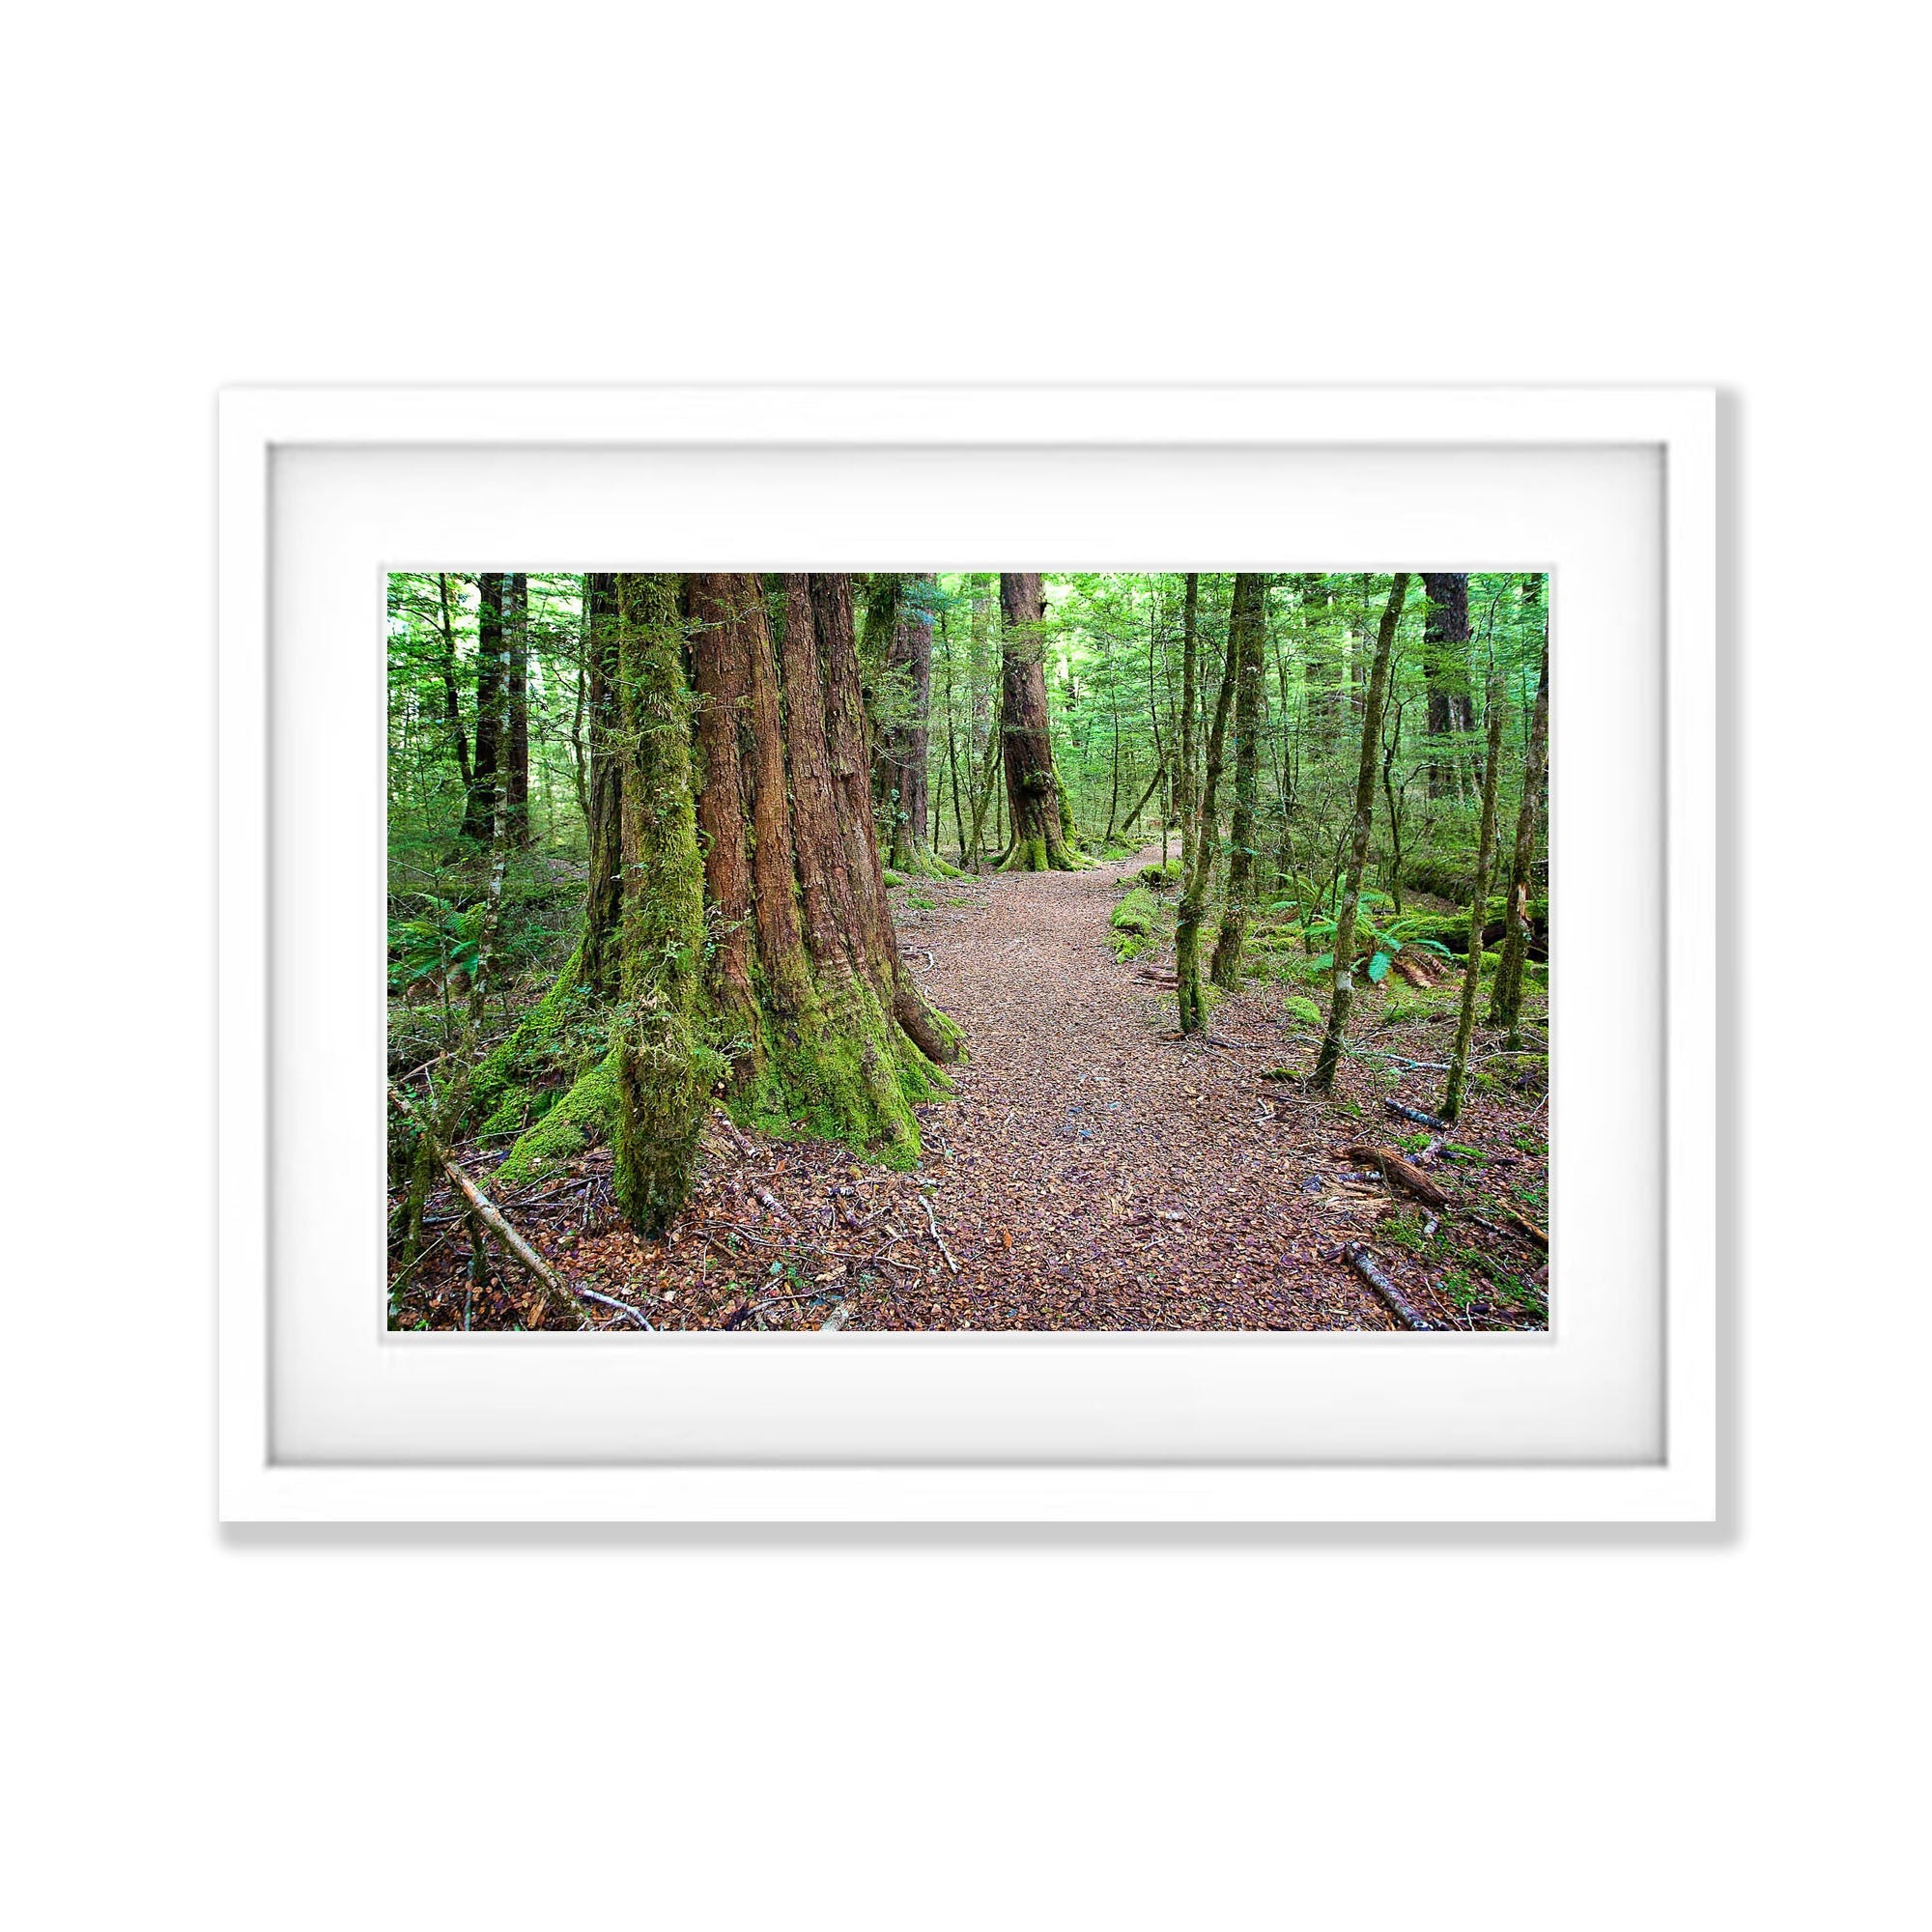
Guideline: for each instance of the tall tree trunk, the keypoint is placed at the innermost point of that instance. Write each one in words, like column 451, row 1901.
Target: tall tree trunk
column 1033, row 790
column 1247, row 627
column 452, row 703
column 516, row 707
column 904, row 751
column 1190, row 674
column 1445, row 670
column 598, row 956
column 1506, row 1004
column 660, row 1090
column 480, row 808
column 1343, row 995
column 1200, row 875
column 1472, row 971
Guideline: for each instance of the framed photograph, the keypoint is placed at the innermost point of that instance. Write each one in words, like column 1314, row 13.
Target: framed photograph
column 967, row 954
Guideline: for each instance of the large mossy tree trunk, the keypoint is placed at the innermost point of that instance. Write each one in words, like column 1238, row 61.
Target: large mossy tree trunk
column 801, row 1010
column 1343, row 995
column 827, row 1034
column 517, row 708
column 1445, row 670
column 480, row 812
column 1506, row 1002
column 1247, row 626
column 1200, row 877
column 1039, row 833
column 1472, row 969
column 660, row 1089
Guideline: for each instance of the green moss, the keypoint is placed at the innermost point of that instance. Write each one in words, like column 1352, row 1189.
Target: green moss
column 544, row 1044
column 922, row 901
column 843, row 1069
column 1303, row 1011
column 893, row 878
column 585, row 1117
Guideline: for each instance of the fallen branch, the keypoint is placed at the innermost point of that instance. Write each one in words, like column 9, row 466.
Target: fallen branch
column 1393, row 1298
column 1417, row 1115
column 730, row 1127
column 1395, row 1168
column 951, row 1265
column 637, row 1315
column 487, row 1211
column 837, row 1319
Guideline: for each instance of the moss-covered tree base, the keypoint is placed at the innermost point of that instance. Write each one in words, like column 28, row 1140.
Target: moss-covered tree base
column 842, row 1069
column 585, row 1118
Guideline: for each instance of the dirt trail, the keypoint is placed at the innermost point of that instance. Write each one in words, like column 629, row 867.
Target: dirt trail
column 1091, row 1170
column 1094, row 1173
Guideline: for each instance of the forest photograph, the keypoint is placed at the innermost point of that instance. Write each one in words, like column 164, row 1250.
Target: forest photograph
column 935, row 950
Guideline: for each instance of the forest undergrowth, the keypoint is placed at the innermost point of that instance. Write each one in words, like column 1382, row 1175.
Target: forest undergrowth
column 1092, row 1169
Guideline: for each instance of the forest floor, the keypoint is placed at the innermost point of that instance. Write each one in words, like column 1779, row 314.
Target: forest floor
column 1091, row 1171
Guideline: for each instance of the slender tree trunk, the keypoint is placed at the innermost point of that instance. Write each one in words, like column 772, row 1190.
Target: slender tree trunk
column 953, row 742
column 1342, row 998
column 1200, row 872
column 984, row 788
column 516, row 707
column 1184, row 792
column 1445, row 670
column 452, row 703
column 480, row 808
column 1032, row 793
column 1506, row 1005
column 903, row 755
column 598, row 966
column 1247, row 630
column 1472, row 974
column 660, row 1091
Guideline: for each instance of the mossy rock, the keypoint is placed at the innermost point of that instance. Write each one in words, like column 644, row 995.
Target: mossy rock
column 1160, row 877
column 1303, row 1011
column 1136, row 913
column 893, row 878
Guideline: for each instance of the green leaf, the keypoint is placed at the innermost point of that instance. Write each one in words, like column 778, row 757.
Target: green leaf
column 1323, row 963
column 1435, row 946
column 1378, row 968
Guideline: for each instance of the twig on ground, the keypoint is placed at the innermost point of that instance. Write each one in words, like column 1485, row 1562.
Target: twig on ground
column 637, row 1315
column 951, row 1265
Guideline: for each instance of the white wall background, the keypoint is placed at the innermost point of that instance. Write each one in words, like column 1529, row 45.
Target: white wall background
column 1347, row 1730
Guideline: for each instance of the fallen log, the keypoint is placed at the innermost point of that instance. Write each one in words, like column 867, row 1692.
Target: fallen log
column 1416, row 1116
column 1406, row 1173
column 1392, row 1298
column 490, row 1215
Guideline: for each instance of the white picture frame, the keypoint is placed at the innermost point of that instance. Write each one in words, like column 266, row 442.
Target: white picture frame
column 499, row 439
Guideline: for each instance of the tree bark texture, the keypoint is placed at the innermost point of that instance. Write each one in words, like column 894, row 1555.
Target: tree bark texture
column 1038, row 839
column 1506, row 1002
column 597, row 959
column 905, row 795
column 1445, row 670
column 1343, row 995
column 661, row 1094
column 1190, row 997
column 516, row 707
column 1184, row 776
column 1247, row 622
column 1472, row 971
column 480, row 806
